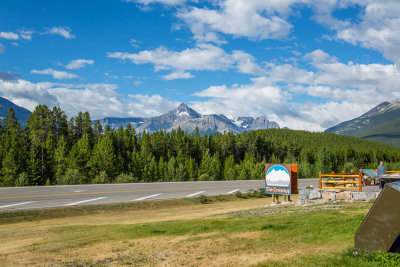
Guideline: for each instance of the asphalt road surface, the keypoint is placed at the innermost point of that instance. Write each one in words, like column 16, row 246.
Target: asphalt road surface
column 39, row 197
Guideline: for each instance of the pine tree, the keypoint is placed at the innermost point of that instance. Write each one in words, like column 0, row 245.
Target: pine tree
column 324, row 161
column 153, row 170
column 103, row 158
column 170, row 172
column 60, row 159
column 181, row 173
column 60, row 123
column 87, row 128
column 205, row 165
column 215, row 167
column 40, row 126
column 79, row 157
column 161, row 168
column 97, row 131
column 190, row 165
column 13, row 148
column 229, row 169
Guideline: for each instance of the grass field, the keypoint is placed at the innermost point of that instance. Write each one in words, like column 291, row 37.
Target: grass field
column 227, row 231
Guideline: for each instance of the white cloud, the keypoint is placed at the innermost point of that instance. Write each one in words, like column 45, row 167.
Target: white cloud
column 337, row 80
column 164, row 2
column 260, row 98
column 318, row 117
column 62, row 31
column 79, row 63
column 246, row 63
column 100, row 100
column 378, row 77
column 113, row 76
column 134, row 43
column 342, row 91
column 55, row 73
column 2, row 49
column 206, row 57
column 177, row 75
column 377, row 27
column 201, row 58
column 289, row 74
column 318, row 57
column 26, row 34
column 9, row 35
column 27, row 94
column 151, row 105
column 256, row 20
column 253, row 99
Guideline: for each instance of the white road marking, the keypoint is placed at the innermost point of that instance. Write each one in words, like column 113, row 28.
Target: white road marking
column 17, row 204
column 84, row 201
column 195, row 194
column 143, row 198
column 233, row 191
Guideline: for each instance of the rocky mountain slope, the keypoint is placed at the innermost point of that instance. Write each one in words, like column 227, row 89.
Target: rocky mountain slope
column 21, row 113
column 381, row 123
column 188, row 120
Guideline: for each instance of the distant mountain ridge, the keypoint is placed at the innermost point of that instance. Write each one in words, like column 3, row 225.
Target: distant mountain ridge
column 188, row 120
column 22, row 114
column 382, row 124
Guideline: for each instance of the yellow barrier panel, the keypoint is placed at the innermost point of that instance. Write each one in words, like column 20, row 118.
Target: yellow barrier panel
column 340, row 179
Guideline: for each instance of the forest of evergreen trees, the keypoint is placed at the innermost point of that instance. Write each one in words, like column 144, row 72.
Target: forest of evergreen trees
column 54, row 150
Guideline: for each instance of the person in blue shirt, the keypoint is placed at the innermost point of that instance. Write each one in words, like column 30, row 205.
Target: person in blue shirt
column 381, row 171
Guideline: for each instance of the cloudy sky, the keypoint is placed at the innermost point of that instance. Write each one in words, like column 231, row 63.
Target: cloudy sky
column 306, row 64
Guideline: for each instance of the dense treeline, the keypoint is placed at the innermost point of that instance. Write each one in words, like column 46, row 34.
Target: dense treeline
column 54, row 150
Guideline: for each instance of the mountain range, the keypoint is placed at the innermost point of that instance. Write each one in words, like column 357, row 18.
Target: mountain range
column 188, row 120
column 183, row 116
column 382, row 124
column 22, row 114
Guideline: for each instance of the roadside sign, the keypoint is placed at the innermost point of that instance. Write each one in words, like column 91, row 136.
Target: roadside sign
column 281, row 179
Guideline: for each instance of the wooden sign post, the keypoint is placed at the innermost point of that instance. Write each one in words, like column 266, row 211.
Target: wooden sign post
column 280, row 179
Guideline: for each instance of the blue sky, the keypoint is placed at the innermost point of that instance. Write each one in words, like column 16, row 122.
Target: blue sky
column 306, row 64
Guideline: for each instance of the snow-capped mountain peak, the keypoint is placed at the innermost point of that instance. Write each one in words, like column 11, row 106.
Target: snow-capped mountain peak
column 188, row 120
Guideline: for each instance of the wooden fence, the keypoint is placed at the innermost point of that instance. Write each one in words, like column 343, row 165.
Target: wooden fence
column 339, row 181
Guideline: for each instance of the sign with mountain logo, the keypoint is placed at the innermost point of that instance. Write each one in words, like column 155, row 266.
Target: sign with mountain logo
column 279, row 179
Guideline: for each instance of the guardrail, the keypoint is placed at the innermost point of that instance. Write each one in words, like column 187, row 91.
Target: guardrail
column 341, row 180
column 392, row 171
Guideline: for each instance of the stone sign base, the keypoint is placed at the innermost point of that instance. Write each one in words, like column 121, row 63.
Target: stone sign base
column 320, row 196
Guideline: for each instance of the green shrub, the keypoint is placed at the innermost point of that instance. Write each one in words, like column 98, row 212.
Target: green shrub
column 101, row 178
column 240, row 195
column 204, row 199
column 261, row 191
column 22, row 180
column 221, row 198
column 204, row 177
column 349, row 166
column 252, row 193
column 126, row 178
column 72, row 176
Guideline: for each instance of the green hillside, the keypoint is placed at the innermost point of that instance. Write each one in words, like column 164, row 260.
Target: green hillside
column 387, row 132
column 381, row 124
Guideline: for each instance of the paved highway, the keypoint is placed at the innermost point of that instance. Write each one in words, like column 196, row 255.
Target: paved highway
column 38, row 197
